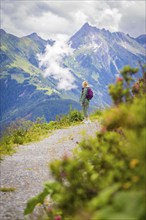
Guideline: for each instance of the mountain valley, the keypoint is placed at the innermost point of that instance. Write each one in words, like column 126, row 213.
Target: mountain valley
column 98, row 56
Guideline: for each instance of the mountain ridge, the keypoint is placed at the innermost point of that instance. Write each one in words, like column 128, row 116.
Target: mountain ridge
column 85, row 25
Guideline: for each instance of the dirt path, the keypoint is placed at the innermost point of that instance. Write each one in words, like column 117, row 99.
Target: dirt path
column 27, row 170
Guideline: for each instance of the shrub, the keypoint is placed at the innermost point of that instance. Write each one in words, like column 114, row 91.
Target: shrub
column 104, row 179
column 72, row 117
column 124, row 90
column 75, row 116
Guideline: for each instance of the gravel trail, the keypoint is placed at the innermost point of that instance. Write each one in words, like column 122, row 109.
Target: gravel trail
column 27, row 169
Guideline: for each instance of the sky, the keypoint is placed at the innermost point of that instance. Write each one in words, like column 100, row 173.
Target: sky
column 60, row 19
column 52, row 18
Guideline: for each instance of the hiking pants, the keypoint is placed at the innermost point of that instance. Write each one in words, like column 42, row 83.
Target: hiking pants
column 85, row 109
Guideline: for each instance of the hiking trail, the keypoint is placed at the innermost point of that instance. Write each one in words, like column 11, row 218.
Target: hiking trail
column 27, row 169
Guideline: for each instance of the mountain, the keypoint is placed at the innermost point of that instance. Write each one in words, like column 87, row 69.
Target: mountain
column 142, row 40
column 98, row 56
column 25, row 93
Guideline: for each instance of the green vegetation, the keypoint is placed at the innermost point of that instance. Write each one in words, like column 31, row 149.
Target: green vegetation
column 97, row 114
column 122, row 91
column 19, row 78
column 27, row 67
column 105, row 177
column 22, row 131
column 73, row 116
column 7, row 189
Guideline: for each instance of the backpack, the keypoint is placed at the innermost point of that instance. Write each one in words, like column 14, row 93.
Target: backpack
column 89, row 95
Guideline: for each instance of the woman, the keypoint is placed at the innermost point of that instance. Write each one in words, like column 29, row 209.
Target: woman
column 85, row 102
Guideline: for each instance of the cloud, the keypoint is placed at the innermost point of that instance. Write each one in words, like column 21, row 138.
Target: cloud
column 49, row 18
column 110, row 18
column 52, row 63
column 133, row 18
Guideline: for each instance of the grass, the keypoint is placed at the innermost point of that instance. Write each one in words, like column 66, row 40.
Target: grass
column 48, row 90
column 27, row 67
column 97, row 114
column 22, row 132
column 22, row 135
column 19, row 78
column 7, row 189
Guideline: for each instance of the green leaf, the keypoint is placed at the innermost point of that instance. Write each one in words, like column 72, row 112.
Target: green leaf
column 34, row 201
column 104, row 196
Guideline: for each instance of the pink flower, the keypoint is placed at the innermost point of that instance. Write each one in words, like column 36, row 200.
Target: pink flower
column 119, row 79
column 103, row 129
column 57, row 217
column 136, row 86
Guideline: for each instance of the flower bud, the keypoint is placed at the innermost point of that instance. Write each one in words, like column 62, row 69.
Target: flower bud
column 119, row 79
column 57, row 217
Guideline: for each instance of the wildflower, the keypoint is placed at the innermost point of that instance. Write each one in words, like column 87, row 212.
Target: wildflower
column 57, row 217
column 103, row 129
column 134, row 163
column 119, row 79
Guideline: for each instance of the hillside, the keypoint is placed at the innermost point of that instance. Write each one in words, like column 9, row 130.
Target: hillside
column 98, row 56
column 25, row 93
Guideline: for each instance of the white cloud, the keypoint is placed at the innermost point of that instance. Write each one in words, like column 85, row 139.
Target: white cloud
column 66, row 17
column 133, row 18
column 52, row 61
column 110, row 19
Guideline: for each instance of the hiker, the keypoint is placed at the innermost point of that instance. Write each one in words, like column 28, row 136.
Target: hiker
column 85, row 101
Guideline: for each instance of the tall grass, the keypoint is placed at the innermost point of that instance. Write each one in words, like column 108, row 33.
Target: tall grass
column 23, row 131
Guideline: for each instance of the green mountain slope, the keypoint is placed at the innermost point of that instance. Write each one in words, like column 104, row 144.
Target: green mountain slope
column 24, row 91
